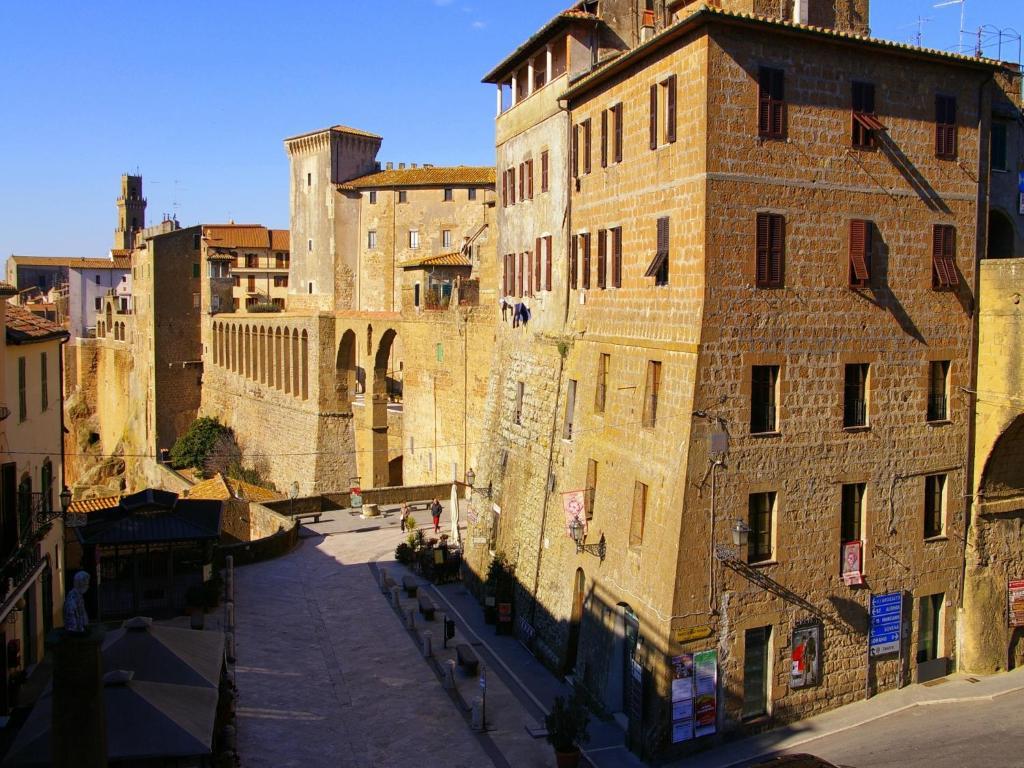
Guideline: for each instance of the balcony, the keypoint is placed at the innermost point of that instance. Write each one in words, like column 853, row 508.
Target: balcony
column 23, row 562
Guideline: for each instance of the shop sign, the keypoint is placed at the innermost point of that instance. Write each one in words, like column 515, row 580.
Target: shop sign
column 1016, row 603
column 853, row 563
column 705, row 709
column 886, row 619
column 693, row 633
column 682, row 698
column 805, row 656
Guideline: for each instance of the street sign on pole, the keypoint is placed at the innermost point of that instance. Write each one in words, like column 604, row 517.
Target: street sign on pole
column 886, row 621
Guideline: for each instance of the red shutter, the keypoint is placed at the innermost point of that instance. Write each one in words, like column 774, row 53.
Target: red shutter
column 670, row 118
column 604, row 138
column 618, row 133
column 860, row 239
column 654, row 116
column 548, row 255
column 602, row 258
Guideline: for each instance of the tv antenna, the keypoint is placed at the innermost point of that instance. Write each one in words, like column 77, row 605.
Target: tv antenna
column 919, row 35
column 963, row 11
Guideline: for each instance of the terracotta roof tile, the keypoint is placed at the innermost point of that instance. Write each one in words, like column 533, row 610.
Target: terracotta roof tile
column 456, row 259
column 244, row 236
column 337, row 129
column 25, row 327
column 280, row 240
column 61, row 261
column 220, row 488
column 425, row 177
column 6, row 289
column 84, row 506
column 519, row 55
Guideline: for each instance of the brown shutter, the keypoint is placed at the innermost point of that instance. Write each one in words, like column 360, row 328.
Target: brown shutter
column 512, row 185
column 576, row 152
column 586, row 145
column 549, row 256
column 944, row 256
column 529, row 171
column 618, row 133
column 860, row 269
column 654, row 116
column 764, row 102
column 778, row 108
column 522, row 270
column 504, row 188
column 522, row 181
column 573, row 261
column 763, row 236
column 536, row 272
column 504, row 281
column 604, row 138
column 778, row 250
column 586, row 260
column 670, row 118
column 617, row 257
column 544, row 171
column 602, row 258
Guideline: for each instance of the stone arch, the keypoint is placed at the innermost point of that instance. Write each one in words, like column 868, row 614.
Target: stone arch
column 261, row 334
column 232, row 352
column 345, row 371
column 110, row 315
column 1003, row 476
column 1000, row 235
column 216, row 343
column 287, row 362
column 384, row 390
column 278, row 360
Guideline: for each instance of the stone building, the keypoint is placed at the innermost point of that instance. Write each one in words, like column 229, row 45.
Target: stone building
column 750, row 259
column 368, row 372
column 255, row 261
column 31, row 479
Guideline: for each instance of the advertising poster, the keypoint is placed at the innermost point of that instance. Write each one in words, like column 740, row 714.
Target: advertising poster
column 682, row 698
column 886, row 618
column 805, row 656
column 573, row 504
column 852, row 563
column 1016, row 605
column 705, row 708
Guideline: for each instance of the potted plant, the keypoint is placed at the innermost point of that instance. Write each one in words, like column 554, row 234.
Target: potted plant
column 567, row 729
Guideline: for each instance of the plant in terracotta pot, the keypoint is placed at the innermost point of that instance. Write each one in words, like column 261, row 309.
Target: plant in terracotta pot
column 567, row 729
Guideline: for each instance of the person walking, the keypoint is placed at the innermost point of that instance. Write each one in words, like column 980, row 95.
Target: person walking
column 403, row 521
column 435, row 512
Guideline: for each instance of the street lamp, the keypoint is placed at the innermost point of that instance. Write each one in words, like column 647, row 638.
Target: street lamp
column 470, row 477
column 740, row 533
column 44, row 516
column 579, row 535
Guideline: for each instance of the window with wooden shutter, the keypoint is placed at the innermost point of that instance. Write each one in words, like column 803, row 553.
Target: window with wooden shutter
column 604, row 138
column 529, row 176
column 861, row 236
column 771, row 250
column 504, row 189
column 537, row 266
column 944, row 273
column 945, row 127
column 617, row 141
column 865, row 123
column 512, row 186
column 654, row 117
column 651, row 393
column 576, row 152
column 670, row 109
column 522, row 181
column 585, row 246
column 504, row 277
column 544, row 171
column 586, row 145
column 617, row 257
column 574, row 255
column 771, row 106
column 658, row 268
column 602, row 258
column 522, row 272
column 547, row 269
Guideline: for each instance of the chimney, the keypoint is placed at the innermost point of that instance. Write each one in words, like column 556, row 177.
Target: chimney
column 390, row 166
column 412, row 165
column 401, row 166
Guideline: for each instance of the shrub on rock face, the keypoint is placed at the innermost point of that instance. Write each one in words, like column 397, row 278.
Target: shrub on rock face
column 194, row 447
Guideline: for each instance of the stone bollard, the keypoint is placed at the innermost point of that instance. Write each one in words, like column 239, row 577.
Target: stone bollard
column 229, row 610
column 229, row 646
column 383, row 575
column 410, row 618
column 396, row 597
column 449, row 674
column 428, row 650
column 478, row 714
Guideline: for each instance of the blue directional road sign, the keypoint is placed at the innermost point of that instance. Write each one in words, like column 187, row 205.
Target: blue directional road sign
column 886, row 618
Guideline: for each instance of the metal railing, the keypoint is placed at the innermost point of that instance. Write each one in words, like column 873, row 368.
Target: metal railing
column 937, row 407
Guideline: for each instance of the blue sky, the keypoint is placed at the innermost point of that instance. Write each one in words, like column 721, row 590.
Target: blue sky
column 197, row 96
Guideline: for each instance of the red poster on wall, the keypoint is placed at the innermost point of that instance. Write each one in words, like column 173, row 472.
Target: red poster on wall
column 852, row 563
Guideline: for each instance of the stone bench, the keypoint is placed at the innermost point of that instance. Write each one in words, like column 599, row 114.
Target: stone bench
column 303, row 516
column 467, row 658
column 409, row 585
column 426, row 607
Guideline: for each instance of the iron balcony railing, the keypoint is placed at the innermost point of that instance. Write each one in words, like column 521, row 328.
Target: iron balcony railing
column 937, row 407
column 20, row 559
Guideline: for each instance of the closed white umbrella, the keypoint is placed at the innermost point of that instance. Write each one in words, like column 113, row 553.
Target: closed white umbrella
column 453, row 510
